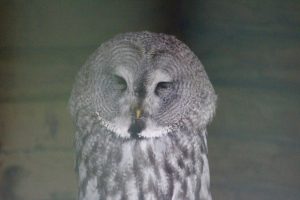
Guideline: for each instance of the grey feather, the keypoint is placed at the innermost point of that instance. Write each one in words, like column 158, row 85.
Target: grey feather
column 141, row 104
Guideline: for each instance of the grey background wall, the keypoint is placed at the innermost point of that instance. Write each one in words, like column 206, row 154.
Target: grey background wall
column 250, row 50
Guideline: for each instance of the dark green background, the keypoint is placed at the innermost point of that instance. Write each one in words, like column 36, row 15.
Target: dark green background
column 250, row 49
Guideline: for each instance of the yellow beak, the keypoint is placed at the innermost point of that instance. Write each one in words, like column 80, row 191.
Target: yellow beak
column 138, row 113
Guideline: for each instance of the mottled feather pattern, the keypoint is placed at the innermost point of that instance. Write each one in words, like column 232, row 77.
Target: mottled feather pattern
column 135, row 169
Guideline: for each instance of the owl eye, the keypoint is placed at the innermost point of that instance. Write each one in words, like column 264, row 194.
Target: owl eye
column 120, row 83
column 163, row 87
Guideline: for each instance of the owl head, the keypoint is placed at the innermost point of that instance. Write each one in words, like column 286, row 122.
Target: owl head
column 143, row 85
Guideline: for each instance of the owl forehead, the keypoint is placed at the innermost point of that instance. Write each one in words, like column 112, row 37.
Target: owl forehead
column 136, row 60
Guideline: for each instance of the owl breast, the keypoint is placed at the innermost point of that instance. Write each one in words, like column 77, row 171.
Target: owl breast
column 159, row 169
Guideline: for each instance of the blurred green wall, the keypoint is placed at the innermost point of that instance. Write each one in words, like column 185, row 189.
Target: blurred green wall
column 250, row 50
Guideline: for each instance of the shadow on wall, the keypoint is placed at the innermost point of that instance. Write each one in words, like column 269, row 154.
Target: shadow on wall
column 10, row 179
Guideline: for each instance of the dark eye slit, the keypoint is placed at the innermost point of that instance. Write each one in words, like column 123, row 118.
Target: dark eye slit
column 120, row 81
column 164, row 85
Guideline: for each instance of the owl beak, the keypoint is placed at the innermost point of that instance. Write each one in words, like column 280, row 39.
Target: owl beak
column 138, row 113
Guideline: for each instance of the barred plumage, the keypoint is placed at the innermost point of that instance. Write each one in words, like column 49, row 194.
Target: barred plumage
column 141, row 105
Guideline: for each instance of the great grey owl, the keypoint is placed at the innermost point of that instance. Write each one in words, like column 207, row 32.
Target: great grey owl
column 141, row 104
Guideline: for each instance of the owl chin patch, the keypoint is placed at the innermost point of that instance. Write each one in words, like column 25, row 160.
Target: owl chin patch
column 140, row 129
column 137, row 129
column 153, row 130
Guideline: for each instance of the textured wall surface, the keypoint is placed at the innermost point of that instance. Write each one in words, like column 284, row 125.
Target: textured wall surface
column 250, row 50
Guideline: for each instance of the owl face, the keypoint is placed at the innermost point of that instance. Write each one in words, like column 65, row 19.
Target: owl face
column 141, row 91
